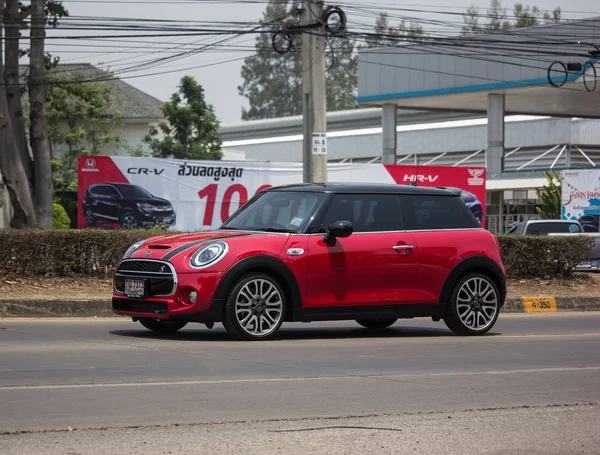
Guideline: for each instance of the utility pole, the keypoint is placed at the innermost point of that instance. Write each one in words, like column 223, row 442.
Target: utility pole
column 314, row 91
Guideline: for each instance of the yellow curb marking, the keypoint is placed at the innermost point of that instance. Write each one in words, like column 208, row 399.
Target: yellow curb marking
column 539, row 304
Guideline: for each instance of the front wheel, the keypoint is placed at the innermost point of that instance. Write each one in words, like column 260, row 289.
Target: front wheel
column 162, row 326
column 90, row 220
column 255, row 308
column 377, row 323
column 474, row 306
column 128, row 221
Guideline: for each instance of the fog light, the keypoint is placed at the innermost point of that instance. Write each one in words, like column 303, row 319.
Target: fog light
column 193, row 296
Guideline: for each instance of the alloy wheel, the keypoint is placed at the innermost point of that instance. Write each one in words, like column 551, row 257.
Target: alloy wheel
column 129, row 222
column 477, row 304
column 259, row 307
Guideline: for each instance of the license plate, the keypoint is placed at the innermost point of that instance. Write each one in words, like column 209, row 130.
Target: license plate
column 134, row 288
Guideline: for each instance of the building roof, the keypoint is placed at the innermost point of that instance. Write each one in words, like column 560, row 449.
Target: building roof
column 130, row 102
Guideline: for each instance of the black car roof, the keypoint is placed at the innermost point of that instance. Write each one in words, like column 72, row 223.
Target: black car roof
column 363, row 188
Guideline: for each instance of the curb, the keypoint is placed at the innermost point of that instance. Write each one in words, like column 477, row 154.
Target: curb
column 39, row 308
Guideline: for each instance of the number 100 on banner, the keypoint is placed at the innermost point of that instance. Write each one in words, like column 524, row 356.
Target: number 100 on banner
column 233, row 198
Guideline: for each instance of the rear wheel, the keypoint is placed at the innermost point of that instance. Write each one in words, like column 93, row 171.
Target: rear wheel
column 377, row 323
column 255, row 308
column 474, row 306
column 162, row 326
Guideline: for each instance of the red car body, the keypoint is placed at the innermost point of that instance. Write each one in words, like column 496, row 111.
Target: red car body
column 368, row 276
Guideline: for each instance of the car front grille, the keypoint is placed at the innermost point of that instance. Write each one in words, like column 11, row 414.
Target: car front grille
column 159, row 276
column 145, row 266
column 140, row 306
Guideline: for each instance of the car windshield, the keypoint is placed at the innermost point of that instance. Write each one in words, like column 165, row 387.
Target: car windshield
column 134, row 192
column 275, row 211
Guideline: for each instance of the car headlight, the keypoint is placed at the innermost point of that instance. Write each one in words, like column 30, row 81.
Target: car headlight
column 145, row 206
column 208, row 255
column 133, row 248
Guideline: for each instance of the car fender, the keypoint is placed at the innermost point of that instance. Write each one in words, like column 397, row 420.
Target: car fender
column 469, row 265
column 264, row 263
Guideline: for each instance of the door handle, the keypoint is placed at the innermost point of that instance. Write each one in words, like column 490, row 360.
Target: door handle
column 404, row 250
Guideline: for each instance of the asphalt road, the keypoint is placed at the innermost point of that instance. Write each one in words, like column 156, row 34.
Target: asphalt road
column 115, row 375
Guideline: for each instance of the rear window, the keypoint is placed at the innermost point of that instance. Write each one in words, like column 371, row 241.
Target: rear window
column 552, row 227
column 436, row 212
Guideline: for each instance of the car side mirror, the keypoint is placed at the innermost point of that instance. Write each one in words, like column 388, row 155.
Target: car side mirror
column 341, row 229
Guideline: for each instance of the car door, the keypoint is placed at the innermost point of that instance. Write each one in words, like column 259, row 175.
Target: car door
column 113, row 203
column 376, row 265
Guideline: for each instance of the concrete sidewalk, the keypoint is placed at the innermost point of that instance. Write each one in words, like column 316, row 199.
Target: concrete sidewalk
column 37, row 308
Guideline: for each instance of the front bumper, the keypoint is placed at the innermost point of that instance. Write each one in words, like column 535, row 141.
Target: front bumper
column 149, row 221
column 177, row 305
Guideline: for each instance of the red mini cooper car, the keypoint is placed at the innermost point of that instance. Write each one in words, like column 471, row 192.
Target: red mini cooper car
column 373, row 253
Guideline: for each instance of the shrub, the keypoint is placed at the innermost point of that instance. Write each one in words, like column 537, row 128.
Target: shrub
column 97, row 252
column 65, row 252
column 60, row 219
column 543, row 256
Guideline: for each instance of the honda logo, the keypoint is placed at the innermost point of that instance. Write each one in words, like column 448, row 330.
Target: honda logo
column 476, row 173
column 90, row 163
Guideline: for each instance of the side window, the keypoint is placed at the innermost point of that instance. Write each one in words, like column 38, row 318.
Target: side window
column 112, row 192
column 366, row 212
column 424, row 212
column 100, row 191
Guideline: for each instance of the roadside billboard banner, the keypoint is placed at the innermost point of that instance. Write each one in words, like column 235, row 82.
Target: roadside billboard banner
column 580, row 193
column 201, row 195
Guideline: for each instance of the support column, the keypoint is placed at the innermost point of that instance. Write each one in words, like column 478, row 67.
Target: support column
column 495, row 148
column 389, row 119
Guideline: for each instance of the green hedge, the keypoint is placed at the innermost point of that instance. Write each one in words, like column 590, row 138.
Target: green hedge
column 65, row 252
column 97, row 252
column 527, row 256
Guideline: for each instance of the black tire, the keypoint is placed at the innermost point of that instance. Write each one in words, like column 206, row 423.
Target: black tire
column 162, row 326
column 90, row 220
column 453, row 317
column 258, row 309
column 127, row 220
column 377, row 324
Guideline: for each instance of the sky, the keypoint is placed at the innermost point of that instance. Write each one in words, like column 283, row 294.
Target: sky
column 220, row 75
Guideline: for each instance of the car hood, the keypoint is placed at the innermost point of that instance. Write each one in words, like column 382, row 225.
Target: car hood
column 167, row 246
column 156, row 201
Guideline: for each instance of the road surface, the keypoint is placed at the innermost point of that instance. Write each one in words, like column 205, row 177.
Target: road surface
column 113, row 382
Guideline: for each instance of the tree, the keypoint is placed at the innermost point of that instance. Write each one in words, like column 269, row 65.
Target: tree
column 272, row 82
column 81, row 121
column 471, row 20
column 550, row 195
column 191, row 130
column 11, row 164
column 386, row 35
column 30, row 192
column 497, row 19
column 38, row 130
column 13, row 18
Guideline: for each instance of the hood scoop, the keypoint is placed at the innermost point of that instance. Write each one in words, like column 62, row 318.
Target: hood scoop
column 159, row 247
